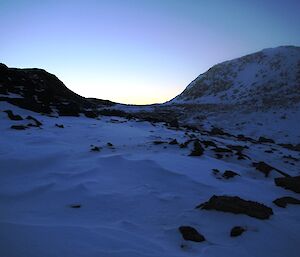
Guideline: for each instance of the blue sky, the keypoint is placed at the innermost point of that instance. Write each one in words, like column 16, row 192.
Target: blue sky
column 139, row 51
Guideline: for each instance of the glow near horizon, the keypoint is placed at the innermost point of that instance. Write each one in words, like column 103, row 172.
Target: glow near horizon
column 139, row 52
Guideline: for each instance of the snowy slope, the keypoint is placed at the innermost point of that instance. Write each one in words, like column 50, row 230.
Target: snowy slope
column 267, row 78
column 134, row 194
column 256, row 95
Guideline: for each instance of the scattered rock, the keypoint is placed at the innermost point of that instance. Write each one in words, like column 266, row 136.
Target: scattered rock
column 229, row 174
column 158, row 142
column 283, row 201
column 198, row 149
column 237, row 205
column 59, row 125
column 91, row 114
column 37, row 123
column 190, row 234
column 208, row 143
column 19, row 127
column 221, row 150
column 217, row 131
column 266, row 140
column 12, row 116
column 173, row 142
column 290, row 183
column 216, row 171
column 237, row 231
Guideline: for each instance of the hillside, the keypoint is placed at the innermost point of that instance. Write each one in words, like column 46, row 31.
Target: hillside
column 256, row 95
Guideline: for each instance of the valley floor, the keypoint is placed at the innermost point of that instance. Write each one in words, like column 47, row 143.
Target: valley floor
column 59, row 196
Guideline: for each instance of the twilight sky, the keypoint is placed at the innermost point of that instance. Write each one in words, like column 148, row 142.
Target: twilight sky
column 139, row 51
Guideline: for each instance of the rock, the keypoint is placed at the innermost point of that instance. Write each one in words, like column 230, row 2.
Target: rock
column 229, row 174
column 109, row 144
column 173, row 142
column 266, row 140
column 221, row 150
column 59, row 125
column 37, row 123
column 91, row 114
column 237, row 231
column 263, row 167
column 208, row 143
column 217, row 131
column 237, row 205
column 158, row 142
column 95, row 149
column 18, row 127
column 173, row 123
column 290, row 183
column 190, row 234
column 198, row 149
column 75, row 206
column 283, row 201
column 13, row 116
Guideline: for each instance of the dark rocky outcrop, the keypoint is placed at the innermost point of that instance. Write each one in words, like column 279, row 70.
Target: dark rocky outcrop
column 190, row 234
column 37, row 122
column 266, row 140
column 42, row 92
column 284, row 201
column 198, row 149
column 266, row 169
column 12, row 116
column 290, row 183
column 237, row 205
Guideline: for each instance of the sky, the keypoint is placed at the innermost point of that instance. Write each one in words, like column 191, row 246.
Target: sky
column 139, row 51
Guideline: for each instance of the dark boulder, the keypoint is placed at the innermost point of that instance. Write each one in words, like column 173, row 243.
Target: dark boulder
column 237, row 231
column 59, row 125
column 190, row 234
column 290, row 183
column 263, row 167
column 237, row 205
column 284, row 201
column 229, row 174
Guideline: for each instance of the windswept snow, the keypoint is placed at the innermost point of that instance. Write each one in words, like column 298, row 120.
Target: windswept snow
column 132, row 197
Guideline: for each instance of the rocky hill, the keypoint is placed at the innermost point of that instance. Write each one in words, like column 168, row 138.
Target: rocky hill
column 42, row 92
column 264, row 79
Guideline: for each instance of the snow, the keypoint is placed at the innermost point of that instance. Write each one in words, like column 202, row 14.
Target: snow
column 133, row 195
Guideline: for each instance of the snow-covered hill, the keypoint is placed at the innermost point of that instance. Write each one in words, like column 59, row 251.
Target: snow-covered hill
column 256, row 95
column 264, row 79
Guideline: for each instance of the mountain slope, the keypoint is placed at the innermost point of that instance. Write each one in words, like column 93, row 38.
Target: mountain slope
column 256, row 95
column 40, row 91
column 264, row 79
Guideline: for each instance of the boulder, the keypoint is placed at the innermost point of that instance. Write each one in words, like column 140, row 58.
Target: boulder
column 190, row 234
column 290, row 183
column 284, row 201
column 237, row 205
column 237, row 231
